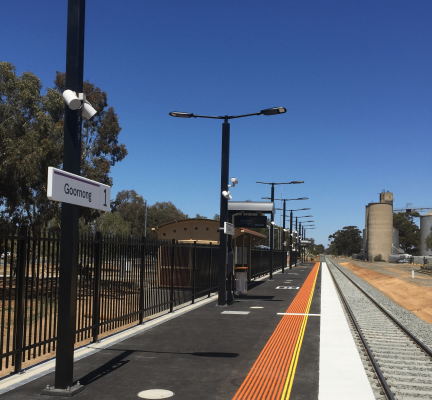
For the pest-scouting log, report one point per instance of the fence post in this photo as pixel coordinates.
(20, 293)
(97, 287)
(141, 296)
(172, 275)
(193, 273)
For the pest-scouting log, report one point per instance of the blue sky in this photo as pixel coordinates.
(355, 77)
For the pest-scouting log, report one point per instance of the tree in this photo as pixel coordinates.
(428, 240)
(31, 140)
(409, 232)
(131, 207)
(319, 249)
(346, 241)
(162, 212)
(111, 223)
(132, 210)
(314, 249)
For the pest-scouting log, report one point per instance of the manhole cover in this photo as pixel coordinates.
(155, 394)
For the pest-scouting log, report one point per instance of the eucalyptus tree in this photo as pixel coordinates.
(31, 140)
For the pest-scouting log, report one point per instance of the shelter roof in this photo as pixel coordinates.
(252, 206)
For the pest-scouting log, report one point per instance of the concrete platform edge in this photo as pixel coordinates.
(341, 372)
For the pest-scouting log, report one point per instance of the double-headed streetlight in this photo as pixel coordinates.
(304, 235)
(272, 218)
(138, 196)
(301, 230)
(222, 276)
(291, 232)
(284, 230)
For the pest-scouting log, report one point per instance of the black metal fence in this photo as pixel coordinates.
(121, 281)
(260, 261)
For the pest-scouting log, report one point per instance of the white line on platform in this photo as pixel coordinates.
(236, 312)
(309, 315)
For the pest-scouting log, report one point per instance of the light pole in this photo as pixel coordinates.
(302, 236)
(272, 219)
(309, 227)
(283, 232)
(145, 217)
(222, 276)
(291, 232)
(67, 300)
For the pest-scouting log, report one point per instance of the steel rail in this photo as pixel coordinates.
(425, 348)
(384, 384)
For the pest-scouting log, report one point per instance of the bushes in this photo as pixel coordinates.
(378, 257)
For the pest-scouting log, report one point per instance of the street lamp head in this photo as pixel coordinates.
(181, 114)
(273, 111)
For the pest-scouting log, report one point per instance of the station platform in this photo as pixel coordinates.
(285, 339)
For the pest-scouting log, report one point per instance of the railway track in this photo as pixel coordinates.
(397, 363)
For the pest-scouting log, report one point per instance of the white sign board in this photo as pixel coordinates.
(74, 189)
(228, 228)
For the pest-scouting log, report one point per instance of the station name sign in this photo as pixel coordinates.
(250, 221)
(74, 189)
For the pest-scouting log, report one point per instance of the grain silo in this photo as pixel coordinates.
(425, 230)
(379, 227)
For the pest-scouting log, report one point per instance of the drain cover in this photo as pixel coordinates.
(155, 394)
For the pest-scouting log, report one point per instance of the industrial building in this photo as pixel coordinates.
(378, 235)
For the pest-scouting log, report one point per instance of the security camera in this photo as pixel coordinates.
(75, 102)
(234, 182)
(226, 194)
(88, 111)
(71, 99)
(273, 223)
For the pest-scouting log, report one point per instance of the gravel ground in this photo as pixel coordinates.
(418, 327)
(401, 271)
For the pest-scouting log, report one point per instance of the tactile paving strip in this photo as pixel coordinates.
(272, 374)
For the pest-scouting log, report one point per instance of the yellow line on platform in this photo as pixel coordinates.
(292, 369)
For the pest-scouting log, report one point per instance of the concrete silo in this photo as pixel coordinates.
(425, 230)
(378, 234)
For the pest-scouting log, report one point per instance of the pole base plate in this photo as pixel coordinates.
(69, 392)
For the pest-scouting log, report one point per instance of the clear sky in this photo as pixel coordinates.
(354, 75)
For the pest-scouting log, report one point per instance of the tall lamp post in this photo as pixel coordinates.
(283, 231)
(291, 232)
(301, 229)
(309, 227)
(66, 327)
(272, 219)
(222, 276)
(138, 196)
